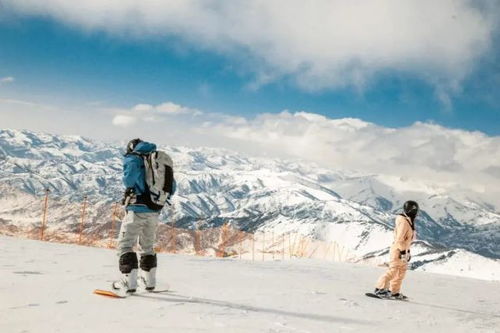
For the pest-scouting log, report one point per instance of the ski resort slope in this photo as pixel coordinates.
(47, 287)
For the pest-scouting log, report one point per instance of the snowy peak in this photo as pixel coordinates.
(26, 144)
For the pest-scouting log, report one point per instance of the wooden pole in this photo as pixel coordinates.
(303, 245)
(196, 242)
(222, 245)
(241, 241)
(315, 249)
(294, 245)
(199, 234)
(263, 244)
(289, 246)
(84, 206)
(253, 246)
(113, 222)
(174, 235)
(283, 247)
(199, 239)
(44, 218)
(272, 242)
(300, 245)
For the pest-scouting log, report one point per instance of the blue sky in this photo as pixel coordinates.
(57, 63)
(409, 90)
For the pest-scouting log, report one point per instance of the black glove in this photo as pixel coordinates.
(129, 191)
(405, 255)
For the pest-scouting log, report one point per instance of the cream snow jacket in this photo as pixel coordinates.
(403, 236)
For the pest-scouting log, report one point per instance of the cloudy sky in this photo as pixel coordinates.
(408, 88)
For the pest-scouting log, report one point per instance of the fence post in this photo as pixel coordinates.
(174, 237)
(44, 218)
(272, 242)
(198, 239)
(289, 246)
(315, 249)
(196, 242)
(283, 247)
(253, 246)
(221, 247)
(241, 242)
(335, 250)
(263, 244)
(113, 221)
(83, 219)
(294, 245)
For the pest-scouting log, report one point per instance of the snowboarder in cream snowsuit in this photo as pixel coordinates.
(140, 222)
(389, 284)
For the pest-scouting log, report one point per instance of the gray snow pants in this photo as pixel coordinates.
(140, 226)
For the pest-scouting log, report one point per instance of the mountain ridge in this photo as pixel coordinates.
(218, 186)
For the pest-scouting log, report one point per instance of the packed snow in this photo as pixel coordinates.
(47, 287)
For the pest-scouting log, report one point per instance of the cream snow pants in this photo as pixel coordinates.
(393, 277)
(138, 226)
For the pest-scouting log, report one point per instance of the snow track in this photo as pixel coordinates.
(47, 287)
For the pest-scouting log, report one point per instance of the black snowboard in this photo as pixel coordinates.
(387, 298)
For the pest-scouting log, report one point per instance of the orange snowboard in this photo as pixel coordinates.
(107, 293)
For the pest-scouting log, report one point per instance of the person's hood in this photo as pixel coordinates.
(144, 148)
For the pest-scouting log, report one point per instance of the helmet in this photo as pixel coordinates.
(132, 144)
(411, 209)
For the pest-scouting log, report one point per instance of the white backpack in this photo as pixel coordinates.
(159, 177)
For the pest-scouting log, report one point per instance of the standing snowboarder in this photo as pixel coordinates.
(143, 201)
(389, 284)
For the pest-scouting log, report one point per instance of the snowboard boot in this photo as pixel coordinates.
(128, 268)
(148, 271)
(382, 292)
(398, 296)
(127, 283)
(148, 279)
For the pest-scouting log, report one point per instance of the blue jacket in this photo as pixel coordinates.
(134, 174)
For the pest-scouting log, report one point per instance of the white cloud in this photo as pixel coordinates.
(16, 104)
(121, 120)
(151, 113)
(455, 159)
(451, 158)
(143, 107)
(7, 79)
(322, 44)
(172, 108)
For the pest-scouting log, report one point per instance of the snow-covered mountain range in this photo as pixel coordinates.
(217, 186)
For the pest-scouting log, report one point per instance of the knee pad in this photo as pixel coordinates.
(148, 262)
(128, 262)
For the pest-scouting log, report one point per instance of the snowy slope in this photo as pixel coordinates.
(46, 287)
(217, 186)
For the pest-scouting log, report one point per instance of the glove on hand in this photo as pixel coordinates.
(129, 191)
(405, 255)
